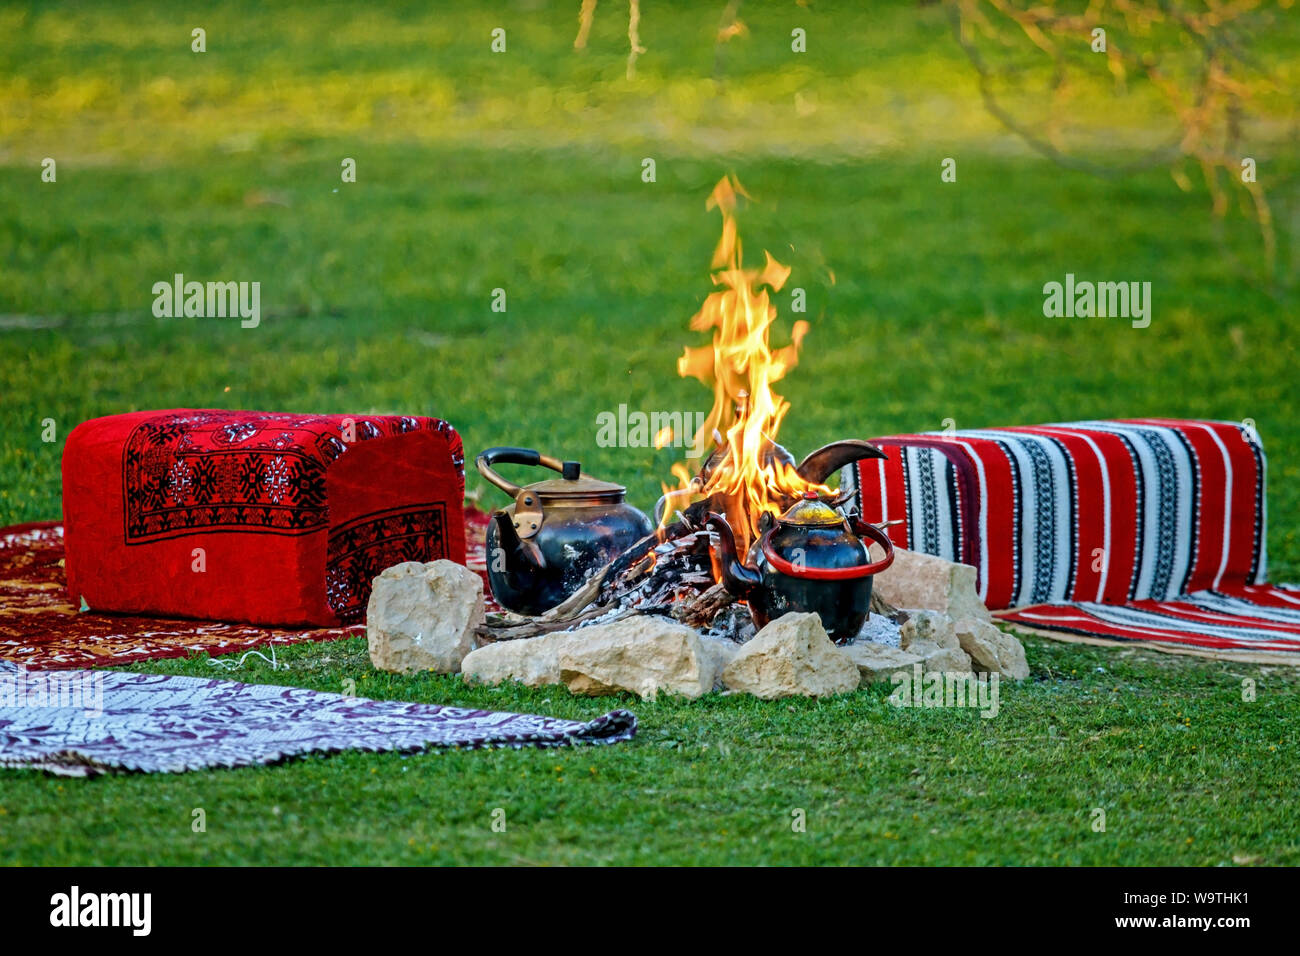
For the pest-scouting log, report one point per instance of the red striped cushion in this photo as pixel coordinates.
(1089, 517)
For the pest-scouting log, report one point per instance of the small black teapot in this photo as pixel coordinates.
(812, 558)
(556, 534)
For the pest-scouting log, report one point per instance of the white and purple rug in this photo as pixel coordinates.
(81, 722)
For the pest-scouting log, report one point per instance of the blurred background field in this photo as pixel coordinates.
(522, 170)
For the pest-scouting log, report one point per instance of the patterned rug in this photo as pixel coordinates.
(42, 629)
(1150, 530)
(79, 723)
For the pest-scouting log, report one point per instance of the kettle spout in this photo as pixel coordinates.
(517, 549)
(739, 579)
(828, 459)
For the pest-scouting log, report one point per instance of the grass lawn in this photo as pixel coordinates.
(522, 171)
(1185, 772)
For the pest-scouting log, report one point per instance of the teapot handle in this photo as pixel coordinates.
(861, 529)
(521, 456)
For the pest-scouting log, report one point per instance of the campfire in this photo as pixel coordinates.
(748, 475)
(744, 484)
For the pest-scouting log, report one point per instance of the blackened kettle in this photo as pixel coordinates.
(812, 558)
(556, 533)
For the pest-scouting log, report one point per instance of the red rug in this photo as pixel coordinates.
(42, 629)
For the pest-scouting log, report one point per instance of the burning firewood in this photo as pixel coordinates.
(514, 627)
(664, 573)
(700, 612)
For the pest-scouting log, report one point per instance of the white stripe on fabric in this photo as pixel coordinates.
(945, 495)
(1086, 624)
(1150, 516)
(1189, 480)
(1105, 502)
(916, 534)
(1260, 497)
(884, 494)
(1227, 604)
(1045, 584)
(928, 509)
(1279, 588)
(1141, 437)
(952, 438)
(1261, 576)
(1227, 501)
(1025, 579)
(1128, 616)
(1159, 632)
(983, 528)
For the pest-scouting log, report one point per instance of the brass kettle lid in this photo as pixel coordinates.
(575, 484)
(583, 487)
(811, 511)
(572, 484)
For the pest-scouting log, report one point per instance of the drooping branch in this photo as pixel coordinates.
(633, 36)
(585, 16)
(1207, 101)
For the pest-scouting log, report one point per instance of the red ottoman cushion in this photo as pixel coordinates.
(258, 517)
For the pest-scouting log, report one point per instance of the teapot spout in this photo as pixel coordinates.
(828, 459)
(739, 579)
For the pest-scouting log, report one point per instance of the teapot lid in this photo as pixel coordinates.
(811, 511)
(576, 484)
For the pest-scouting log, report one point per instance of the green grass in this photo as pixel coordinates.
(1185, 771)
(522, 171)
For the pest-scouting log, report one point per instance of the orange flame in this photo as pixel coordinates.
(741, 367)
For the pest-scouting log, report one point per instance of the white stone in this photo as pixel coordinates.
(531, 661)
(992, 650)
(947, 660)
(643, 654)
(422, 616)
(876, 662)
(931, 627)
(791, 656)
(936, 658)
(918, 580)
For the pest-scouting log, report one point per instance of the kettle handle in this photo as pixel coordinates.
(861, 528)
(521, 456)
